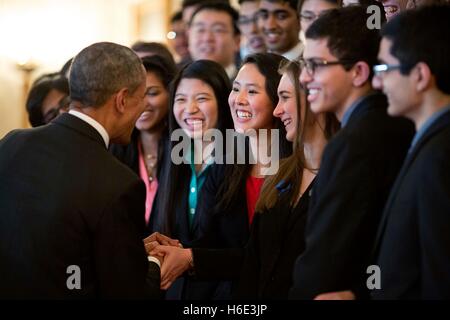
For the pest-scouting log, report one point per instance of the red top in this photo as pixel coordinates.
(253, 188)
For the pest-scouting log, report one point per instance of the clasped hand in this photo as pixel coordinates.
(175, 260)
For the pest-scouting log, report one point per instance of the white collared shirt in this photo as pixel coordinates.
(231, 71)
(97, 126)
(295, 52)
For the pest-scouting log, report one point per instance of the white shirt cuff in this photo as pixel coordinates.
(155, 260)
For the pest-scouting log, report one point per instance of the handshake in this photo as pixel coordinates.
(174, 259)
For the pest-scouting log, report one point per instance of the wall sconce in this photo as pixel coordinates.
(26, 67)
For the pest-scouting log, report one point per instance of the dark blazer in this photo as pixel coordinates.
(276, 240)
(413, 243)
(358, 168)
(212, 227)
(66, 201)
(263, 269)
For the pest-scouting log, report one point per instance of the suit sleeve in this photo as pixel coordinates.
(121, 261)
(340, 228)
(434, 227)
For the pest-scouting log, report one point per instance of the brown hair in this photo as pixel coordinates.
(290, 169)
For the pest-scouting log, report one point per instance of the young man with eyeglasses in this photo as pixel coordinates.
(248, 24)
(358, 165)
(214, 35)
(413, 243)
(280, 26)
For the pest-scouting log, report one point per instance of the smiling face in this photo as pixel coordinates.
(279, 24)
(156, 104)
(195, 107)
(330, 87)
(251, 107)
(393, 7)
(211, 37)
(399, 89)
(249, 27)
(310, 11)
(286, 108)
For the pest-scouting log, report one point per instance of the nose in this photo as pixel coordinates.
(377, 82)
(241, 98)
(305, 77)
(270, 23)
(278, 111)
(191, 108)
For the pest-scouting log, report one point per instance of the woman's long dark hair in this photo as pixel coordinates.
(267, 64)
(176, 177)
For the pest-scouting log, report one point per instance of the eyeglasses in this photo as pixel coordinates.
(309, 16)
(216, 30)
(311, 65)
(245, 21)
(380, 69)
(63, 106)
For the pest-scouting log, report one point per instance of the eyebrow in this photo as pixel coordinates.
(247, 84)
(274, 11)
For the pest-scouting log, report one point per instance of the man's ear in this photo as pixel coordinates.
(422, 76)
(360, 73)
(121, 100)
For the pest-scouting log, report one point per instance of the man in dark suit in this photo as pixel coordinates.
(413, 243)
(358, 165)
(71, 215)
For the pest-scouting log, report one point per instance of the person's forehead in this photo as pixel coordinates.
(275, 5)
(316, 48)
(248, 8)
(211, 16)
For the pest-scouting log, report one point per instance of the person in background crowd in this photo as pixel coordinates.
(178, 39)
(252, 40)
(310, 10)
(48, 97)
(279, 23)
(145, 49)
(214, 35)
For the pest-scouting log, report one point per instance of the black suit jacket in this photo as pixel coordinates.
(413, 243)
(212, 227)
(66, 201)
(358, 168)
(276, 240)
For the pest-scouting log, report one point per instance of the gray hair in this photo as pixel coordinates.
(102, 69)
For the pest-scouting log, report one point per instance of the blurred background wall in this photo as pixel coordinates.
(38, 36)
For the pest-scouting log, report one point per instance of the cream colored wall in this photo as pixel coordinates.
(49, 32)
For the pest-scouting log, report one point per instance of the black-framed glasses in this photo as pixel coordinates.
(310, 65)
(63, 106)
(244, 21)
(380, 69)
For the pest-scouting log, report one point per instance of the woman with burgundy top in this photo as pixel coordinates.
(264, 267)
(145, 152)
